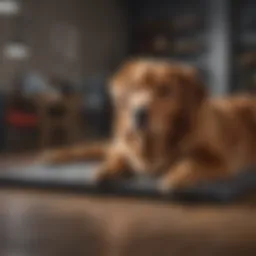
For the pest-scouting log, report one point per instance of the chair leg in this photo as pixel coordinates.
(45, 137)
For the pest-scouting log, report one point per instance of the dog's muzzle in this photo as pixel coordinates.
(141, 117)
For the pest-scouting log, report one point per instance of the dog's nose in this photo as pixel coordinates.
(141, 118)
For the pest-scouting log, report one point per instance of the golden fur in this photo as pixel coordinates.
(190, 138)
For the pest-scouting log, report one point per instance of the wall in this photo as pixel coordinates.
(102, 45)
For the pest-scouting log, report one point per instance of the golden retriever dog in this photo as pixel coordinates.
(166, 125)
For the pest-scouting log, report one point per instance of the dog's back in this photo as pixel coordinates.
(229, 125)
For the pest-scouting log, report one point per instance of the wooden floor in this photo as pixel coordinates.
(34, 223)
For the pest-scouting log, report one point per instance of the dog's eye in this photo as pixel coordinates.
(120, 103)
(164, 91)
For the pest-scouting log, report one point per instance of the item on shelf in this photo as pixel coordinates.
(248, 39)
(253, 84)
(248, 59)
(187, 22)
(187, 46)
(153, 38)
(160, 43)
(249, 81)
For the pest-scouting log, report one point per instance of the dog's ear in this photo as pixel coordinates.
(193, 93)
(195, 89)
(118, 83)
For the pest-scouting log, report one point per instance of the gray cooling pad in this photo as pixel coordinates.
(80, 177)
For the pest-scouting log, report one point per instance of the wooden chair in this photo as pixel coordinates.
(48, 116)
(21, 121)
(62, 116)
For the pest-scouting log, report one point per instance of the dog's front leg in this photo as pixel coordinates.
(193, 170)
(114, 167)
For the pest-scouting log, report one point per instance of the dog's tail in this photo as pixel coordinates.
(85, 152)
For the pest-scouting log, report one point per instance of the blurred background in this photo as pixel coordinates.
(56, 57)
(55, 60)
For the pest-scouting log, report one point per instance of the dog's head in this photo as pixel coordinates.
(155, 95)
(157, 100)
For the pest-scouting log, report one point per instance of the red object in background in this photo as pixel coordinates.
(22, 119)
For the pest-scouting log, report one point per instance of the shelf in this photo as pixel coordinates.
(247, 39)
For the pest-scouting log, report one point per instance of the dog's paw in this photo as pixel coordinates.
(165, 187)
(103, 176)
(106, 176)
